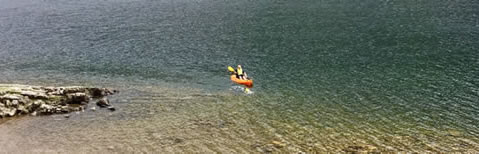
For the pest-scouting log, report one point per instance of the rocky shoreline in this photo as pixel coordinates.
(37, 100)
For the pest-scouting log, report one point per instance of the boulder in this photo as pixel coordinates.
(44, 108)
(8, 103)
(103, 102)
(65, 109)
(10, 112)
(77, 98)
(21, 109)
(101, 92)
(14, 103)
(37, 103)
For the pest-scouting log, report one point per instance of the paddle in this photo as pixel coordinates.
(231, 69)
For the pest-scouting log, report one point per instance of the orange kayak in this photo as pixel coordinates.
(247, 83)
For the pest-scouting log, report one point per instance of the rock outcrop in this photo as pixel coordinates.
(35, 100)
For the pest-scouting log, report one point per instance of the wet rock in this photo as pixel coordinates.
(49, 89)
(34, 95)
(93, 109)
(73, 90)
(2, 111)
(8, 103)
(23, 99)
(34, 106)
(103, 102)
(65, 109)
(10, 112)
(100, 92)
(111, 108)
(33, 114)
(54, 90)
(11, 97)
(77, 98)
(44, 108)
(67, 116)
(22, 109)
(14, 103)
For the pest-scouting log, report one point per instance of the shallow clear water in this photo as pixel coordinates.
(398, 75)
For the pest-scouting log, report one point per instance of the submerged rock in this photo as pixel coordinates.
(454, 133)
(278, 144)
(361, 149)
(268, 148)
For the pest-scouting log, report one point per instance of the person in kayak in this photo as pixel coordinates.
(240, 74)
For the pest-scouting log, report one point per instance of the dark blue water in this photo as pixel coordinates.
(397, 75)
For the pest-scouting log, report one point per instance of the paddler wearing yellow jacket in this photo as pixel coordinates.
(240, 74)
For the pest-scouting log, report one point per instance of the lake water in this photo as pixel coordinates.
(328, 74)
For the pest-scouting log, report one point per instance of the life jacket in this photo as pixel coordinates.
(239, 71)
